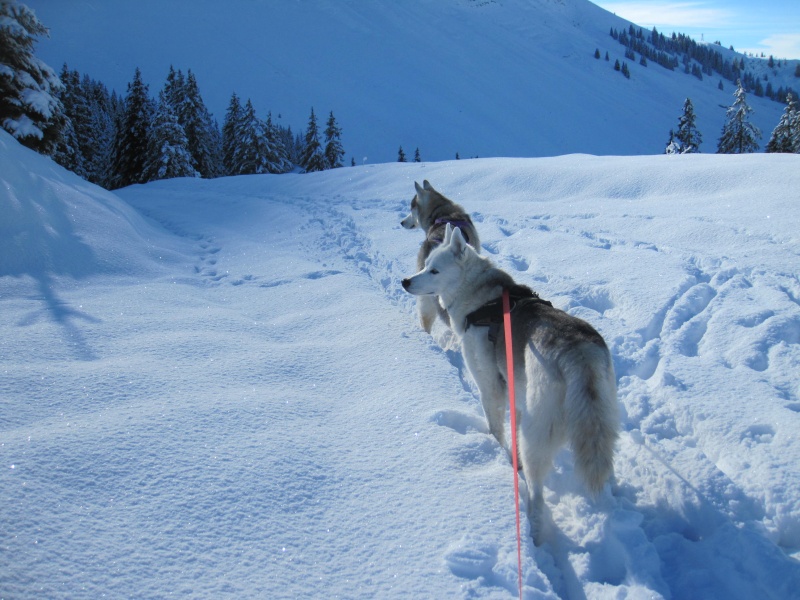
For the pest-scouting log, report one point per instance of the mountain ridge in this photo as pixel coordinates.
(471, 78)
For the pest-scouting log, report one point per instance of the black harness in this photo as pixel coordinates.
(491, 314)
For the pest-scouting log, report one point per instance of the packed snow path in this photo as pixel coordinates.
(223, 390)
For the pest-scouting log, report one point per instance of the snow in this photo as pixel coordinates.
(218, 388)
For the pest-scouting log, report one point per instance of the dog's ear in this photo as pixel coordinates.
(448, 234)
(427, 185)
(423, 193)
(458, 245)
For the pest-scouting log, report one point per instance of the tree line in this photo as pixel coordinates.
(697, 59)
(117, 141)
(739, 135)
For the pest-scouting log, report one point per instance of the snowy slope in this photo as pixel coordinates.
(219, 389)
(478, 78)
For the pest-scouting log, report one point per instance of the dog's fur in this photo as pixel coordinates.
(431, 212)
(563, 371)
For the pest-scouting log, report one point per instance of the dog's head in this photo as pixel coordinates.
(444, 267)
(420, 206)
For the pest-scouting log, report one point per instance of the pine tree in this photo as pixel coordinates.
(84, 147)
(230, 129)
(103, 112)
(30, 107)
(312, 158)
(688, 137)
(417, 156)
(174, 88)
(401, 156)
(786, 135)
(291, 145)
(334, 153)
(168, 153)
(739, 136)
(672, 146)
(276, 152)
(199, 127)
(67, 151)
(72, 142)
(131, 142)
(250, 153)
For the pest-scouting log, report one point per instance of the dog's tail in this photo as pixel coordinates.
(592, 414)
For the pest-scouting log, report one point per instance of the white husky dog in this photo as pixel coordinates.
(431, 212)
(563, 371)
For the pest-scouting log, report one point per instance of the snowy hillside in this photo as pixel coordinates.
(218, 389)
(510, 78)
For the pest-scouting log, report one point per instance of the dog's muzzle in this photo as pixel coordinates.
(406, 283)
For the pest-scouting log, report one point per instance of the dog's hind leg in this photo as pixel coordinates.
(540, 433)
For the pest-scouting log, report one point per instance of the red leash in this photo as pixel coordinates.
(513, 409)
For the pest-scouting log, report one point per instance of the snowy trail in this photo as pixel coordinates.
(621, 529)
(224, 392)
(706, 503)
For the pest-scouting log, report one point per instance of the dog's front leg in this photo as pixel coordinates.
(479, 357)
(428, 307)
(493, 398)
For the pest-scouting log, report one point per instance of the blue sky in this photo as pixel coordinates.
(768, 26)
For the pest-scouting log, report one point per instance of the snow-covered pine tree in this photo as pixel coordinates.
(104, 108)
(334, 153)
(786, 135)
(673, 147)
(688, 137)
(69, 149)
(250, 153)
(739, 136)
(85, 144)
(168, 153)
(194, 117)
(230, 128)
(174, 88)
(312, 158)
(292, 143)
(277, 154)
(131, 145)
(30, 107)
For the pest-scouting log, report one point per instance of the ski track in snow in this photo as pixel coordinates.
(657, 439)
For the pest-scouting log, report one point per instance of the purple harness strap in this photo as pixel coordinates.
(463, 225)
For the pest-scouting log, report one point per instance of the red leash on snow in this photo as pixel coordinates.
(513, 411)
